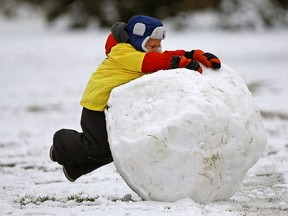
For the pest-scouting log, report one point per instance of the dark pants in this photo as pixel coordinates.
(81, 153)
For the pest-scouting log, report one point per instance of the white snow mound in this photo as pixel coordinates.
(179, 134)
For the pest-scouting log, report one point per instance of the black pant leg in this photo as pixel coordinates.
(68, 147)
(84, 152)
(95, 138)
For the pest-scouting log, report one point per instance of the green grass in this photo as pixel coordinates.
(38, 200)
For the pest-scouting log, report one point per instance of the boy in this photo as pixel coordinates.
(132, 50)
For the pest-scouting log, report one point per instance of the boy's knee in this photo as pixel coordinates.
(62, 144)
(58, 137)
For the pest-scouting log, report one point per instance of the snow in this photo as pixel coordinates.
(177, 134)
(43, 73)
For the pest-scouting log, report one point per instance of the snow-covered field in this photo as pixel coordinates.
(42, 76)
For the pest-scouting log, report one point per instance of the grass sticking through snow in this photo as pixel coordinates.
(79, 198)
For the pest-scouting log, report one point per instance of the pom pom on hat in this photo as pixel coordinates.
(141, 28)
(119, 33)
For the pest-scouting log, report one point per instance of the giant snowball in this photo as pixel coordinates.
(179, 134)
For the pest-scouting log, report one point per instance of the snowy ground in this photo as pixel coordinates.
(42, 76)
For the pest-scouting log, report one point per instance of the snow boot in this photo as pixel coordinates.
(69, 175)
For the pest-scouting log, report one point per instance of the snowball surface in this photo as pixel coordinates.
(177, 133)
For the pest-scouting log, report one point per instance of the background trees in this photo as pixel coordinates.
(81, 13)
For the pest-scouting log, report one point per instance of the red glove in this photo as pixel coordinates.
(207, 59)
(183, 62)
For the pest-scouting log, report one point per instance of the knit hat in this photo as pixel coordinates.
(141, 28)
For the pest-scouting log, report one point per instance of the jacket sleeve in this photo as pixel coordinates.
(110, 42)
(154, 61)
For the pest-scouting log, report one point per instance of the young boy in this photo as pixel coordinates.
(132, 50)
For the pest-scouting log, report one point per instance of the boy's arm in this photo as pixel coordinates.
(154, 61)
(162, 61)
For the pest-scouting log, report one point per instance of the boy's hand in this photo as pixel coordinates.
(183, 62)
(207, 59)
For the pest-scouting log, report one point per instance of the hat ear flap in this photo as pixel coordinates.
(159, 33)
(144, 43)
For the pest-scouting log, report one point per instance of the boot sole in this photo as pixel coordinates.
(67, 175)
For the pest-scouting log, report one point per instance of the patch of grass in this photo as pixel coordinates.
(79, 198)
(43, 108)
(270, 115)
(255, 86)
(23, 201)
(11, 165)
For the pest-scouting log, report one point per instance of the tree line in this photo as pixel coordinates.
(105, 12)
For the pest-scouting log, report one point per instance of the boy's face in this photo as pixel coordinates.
(153, 45)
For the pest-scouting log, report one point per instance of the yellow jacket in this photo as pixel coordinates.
(122, 65)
